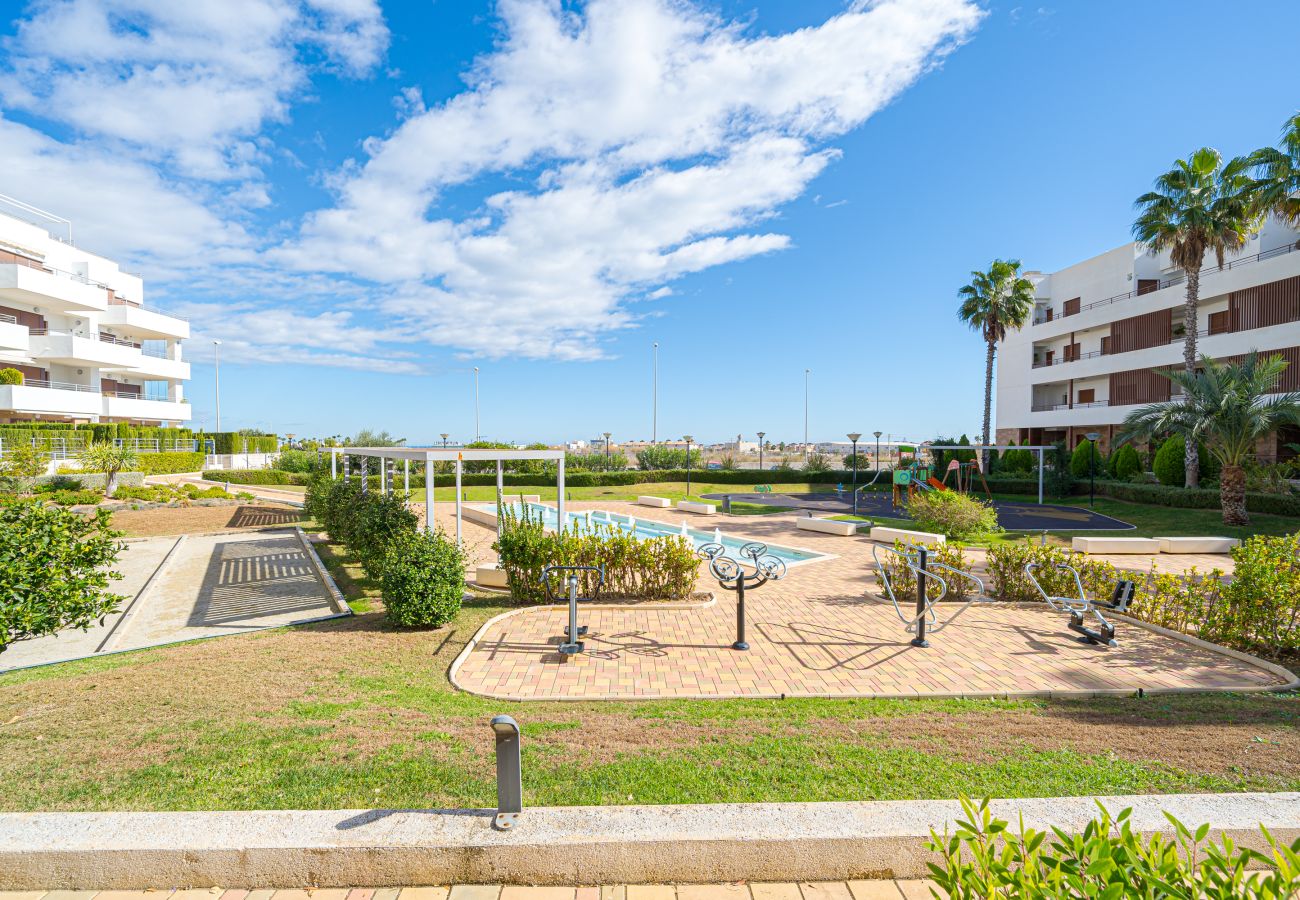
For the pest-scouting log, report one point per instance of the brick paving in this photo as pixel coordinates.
(817, 890)
(822, 631)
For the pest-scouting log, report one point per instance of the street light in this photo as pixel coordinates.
(853, 436)
(477, 433)
(877, 434)
(760, 450)
(444, 437)
(606, 445)
(806, 373)
(654, 415)
(1092, 436)
(216, 379)
(688, 440)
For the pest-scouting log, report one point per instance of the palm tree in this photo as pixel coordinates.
(109, 459)
(1279, 186)
(1200, 205)
(1229, 408)
(994, 303)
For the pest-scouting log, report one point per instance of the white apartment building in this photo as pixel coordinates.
(76, 326)
(1104, 328)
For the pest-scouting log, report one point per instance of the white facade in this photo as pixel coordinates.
(1102, 329)
(77, 328)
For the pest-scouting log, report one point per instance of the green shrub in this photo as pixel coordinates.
(1007, 579)
(952, 513)
(1261, 609)
(1124, 463)
(903, 580)
(55, 567)
(660, 457)
(74, 498)
(257, 476)
(367, 523)
(1107, 859)
(10, 375)
(1058, 480)
(300, 461)
(168, 463)
(58, 483)
(22, 461)
(109, 459)
(423, 579)
(661, 568)
(1080, 458)
(1169, 465)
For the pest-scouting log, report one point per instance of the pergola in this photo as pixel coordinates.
(431, 455)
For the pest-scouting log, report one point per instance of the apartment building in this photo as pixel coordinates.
(77, 328)
(1104, 329)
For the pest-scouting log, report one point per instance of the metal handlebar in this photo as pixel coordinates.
(546, 577)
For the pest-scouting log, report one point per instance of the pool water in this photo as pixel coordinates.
(643, 528)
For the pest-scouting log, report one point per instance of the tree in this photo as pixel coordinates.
(993, 303)
(1229, 407)
(817, 463)
(1199, 206)
(22, 461)
(109, 459)
(54, 569)
(1124, 463)
(1279, 184)
(10, 375)
(1080, 466)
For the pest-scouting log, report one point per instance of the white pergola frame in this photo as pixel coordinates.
(431, 455)
(998, 447)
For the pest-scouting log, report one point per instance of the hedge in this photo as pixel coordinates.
(750, 477)
(166, 463)
(260, 476)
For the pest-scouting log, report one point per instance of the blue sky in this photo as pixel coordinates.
(364, 200)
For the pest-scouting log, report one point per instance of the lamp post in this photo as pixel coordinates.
(477, 433)
(654, 402)
(853, 436)
(877, 434)
(607, 445)
(760, 450)
(688, 440)
(806, 373)
(216, 379)
(444, 437)
(1092, 437)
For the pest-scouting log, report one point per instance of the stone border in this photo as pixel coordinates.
(337, 600)
(110, 642)
(783, 842)
(1289, 681)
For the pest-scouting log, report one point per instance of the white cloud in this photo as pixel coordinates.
(644, 139)
(188, 83)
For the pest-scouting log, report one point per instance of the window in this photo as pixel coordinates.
(1147, 285)
(1087, 395)
(1071, 307)
(1105, 344)
(1221, 322)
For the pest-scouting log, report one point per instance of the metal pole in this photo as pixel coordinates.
(383, 475)
(428, 492)
(510, 785)
(559, 495)
(740, 643)
(921, 599)
(855, 478)
(688, 468)
(500, 495)
(1040, 476)
(216, 379)
(573, 612)
(761, 435)
(654, 421)
(459, 464)
(806, 373)
(476, 427)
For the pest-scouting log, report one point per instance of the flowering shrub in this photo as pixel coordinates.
(661, 568)
(953, 514)
(903, 579)
(1008, 581)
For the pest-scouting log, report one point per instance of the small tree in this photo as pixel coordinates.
(1059, 479)
(10, 375)
(54, 569)
(1079, 467)
(423, 579)
(22, 461)
(1124, 463)
(817, 463)
(109, 459)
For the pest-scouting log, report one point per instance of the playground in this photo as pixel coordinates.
(826, 630)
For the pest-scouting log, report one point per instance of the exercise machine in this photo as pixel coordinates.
(573, 631)
(923, 619)
(731, 576)
(1081, 607)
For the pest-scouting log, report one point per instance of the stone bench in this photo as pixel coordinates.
(1197, 544)
(491, 576)
(826, 526)
(889, 535)
(707, 509)
(659, 502)
(1095, 545)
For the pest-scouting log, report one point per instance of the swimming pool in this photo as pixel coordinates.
(648, 528)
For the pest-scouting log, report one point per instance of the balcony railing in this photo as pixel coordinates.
(122, 301)
(156, 354)
(1091, 354)
(119, 342)
(59, 386)
(1177, 279)
(114, 299)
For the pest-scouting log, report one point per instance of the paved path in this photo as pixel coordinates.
(823, 631)
(202, 586)
(816, 890)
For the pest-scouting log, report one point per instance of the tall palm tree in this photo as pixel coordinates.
(994, 303)
(1279, 185)
(1199, 206)
(1228, 407)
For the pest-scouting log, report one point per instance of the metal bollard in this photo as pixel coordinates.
(510, 784)
(921, 599)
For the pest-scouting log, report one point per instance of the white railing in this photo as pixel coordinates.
(59, 386)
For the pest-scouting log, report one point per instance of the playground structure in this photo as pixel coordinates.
(924, 619)
(1080, 607)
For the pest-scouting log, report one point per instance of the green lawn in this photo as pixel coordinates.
(353, 714)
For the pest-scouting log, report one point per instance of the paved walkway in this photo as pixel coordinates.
(816, 890)
(822, 631)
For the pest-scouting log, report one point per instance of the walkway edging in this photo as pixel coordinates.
(556, 845)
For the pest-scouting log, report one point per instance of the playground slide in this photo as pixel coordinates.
(936, 484)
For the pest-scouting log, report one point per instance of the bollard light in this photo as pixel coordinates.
(510, 785)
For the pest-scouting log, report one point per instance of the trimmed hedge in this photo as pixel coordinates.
(165, 463)
(260, 476)
(750, 477)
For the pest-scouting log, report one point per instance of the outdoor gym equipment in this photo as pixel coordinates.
(574, 631)
(924, 619)
(1081, 606)
(731, 576)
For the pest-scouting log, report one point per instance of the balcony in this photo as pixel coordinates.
(12, 335)
(51, 398)
(72, 349)
(153, 365)
(133, 406)
(30, 283)
(145, 320)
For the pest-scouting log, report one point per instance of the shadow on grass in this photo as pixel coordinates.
(1182, 710)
